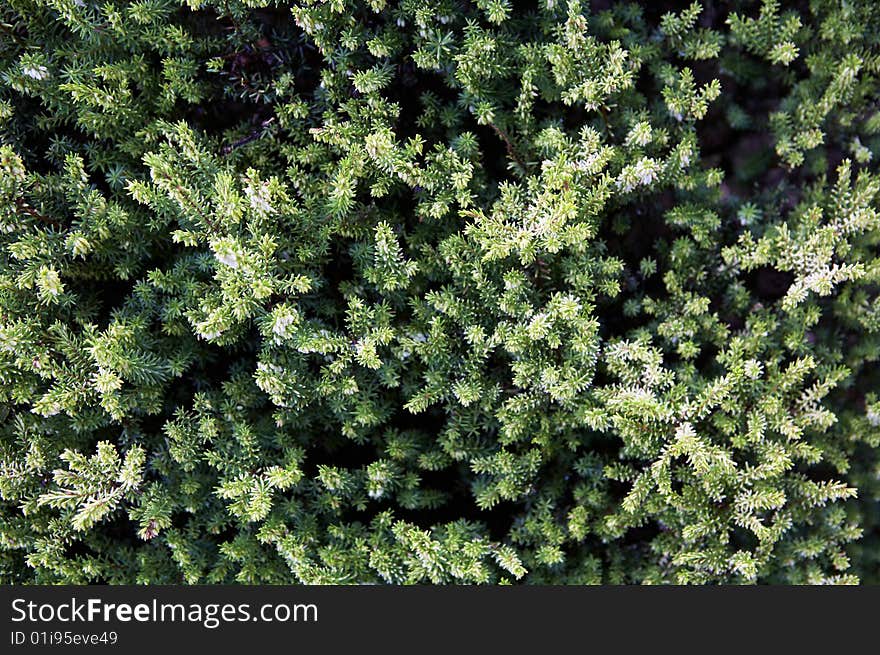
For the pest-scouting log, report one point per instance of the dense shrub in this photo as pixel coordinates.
(439, 291)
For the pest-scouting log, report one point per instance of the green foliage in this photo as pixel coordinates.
(439, 292)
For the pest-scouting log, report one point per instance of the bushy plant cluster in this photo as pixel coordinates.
(439, 291)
